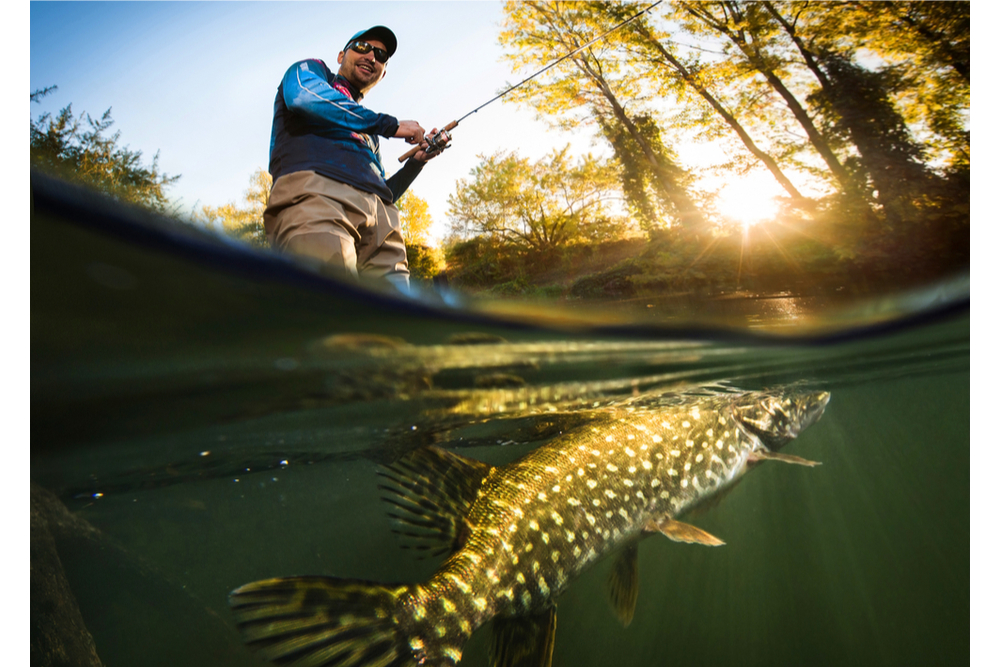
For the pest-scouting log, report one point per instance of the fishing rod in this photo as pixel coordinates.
(438, 141)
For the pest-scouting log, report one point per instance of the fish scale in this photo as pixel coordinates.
(520, 533)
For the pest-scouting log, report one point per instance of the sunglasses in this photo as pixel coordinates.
(381, 55)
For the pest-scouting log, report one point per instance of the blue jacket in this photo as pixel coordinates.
(319, 126)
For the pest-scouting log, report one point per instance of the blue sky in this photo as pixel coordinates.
(196, 81)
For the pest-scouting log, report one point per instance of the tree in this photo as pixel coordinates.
(670, 69)
(748, 28)
(538, 206)
(867, 102)
(425, 259)
(77, 149)
(542, 32)
(648, 199)
(889, 161)
(243, 220)
(922, 50)
(415, 218)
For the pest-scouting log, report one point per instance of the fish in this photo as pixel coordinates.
(516, 535)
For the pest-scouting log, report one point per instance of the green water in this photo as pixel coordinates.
(205, 424)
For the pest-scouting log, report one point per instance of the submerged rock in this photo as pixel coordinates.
(58, 634)
(91, 596)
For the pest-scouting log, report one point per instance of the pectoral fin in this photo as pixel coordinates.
(763, 455)
(679, 531)
(523, 641)
(623, 585)
(429, 492)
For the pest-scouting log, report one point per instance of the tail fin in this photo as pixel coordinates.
(322, 621)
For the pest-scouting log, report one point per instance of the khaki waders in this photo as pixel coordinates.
(350, 231)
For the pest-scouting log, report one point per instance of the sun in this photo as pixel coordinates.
(748, 201)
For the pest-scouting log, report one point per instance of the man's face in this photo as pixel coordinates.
(362, 70)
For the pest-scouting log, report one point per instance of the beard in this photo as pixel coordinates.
(362, 76)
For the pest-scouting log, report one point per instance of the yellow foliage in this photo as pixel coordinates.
(415, 217)
(243, 220)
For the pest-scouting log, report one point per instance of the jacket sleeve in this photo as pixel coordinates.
(400, 181)
(306, 91)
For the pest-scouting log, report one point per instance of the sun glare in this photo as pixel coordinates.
(748, 201)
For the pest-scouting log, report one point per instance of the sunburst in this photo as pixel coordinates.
(748, 201)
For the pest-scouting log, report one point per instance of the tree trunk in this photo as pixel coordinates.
(674, 191)
(756, 59)
(686, 209)
(807, 55)
(889, 158)
(730, 120)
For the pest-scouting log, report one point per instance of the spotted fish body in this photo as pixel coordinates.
(520, 533)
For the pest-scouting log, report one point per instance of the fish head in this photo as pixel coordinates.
(776, 418)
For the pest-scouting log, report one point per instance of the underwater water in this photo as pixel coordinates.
(197, 426)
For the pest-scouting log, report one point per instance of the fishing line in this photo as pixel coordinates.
(434, 142)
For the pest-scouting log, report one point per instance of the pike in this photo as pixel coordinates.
(518, 534)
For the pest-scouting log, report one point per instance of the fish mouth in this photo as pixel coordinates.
(811, 415)
(816, 411)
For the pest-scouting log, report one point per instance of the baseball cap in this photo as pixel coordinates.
(381, 33)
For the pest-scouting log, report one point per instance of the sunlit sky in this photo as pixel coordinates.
(196, 82)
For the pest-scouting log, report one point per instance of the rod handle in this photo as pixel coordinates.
(408, 154)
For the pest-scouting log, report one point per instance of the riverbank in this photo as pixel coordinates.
(756, 264)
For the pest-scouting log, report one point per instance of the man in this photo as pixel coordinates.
(330, 199)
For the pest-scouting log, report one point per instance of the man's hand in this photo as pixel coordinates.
(411, 131)
(422, 156)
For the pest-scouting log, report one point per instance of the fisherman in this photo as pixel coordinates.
(330, 199)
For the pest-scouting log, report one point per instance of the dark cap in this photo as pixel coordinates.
(379, 32)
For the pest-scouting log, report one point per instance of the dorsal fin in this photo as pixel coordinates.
(430, 491)
(523, 641)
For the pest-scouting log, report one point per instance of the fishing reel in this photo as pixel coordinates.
(437, 142)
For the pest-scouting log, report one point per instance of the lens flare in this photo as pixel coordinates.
(748, 201)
